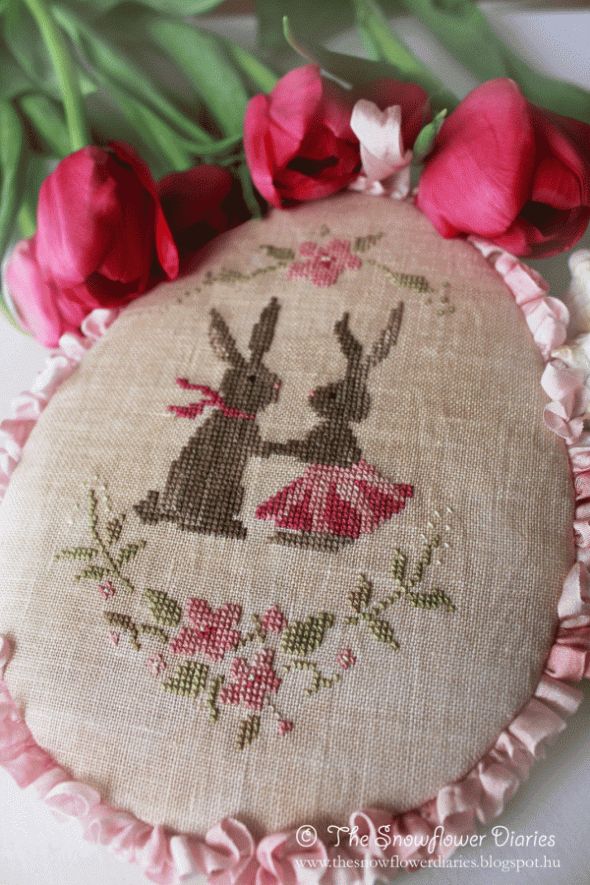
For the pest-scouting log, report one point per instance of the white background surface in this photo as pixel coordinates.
(35, 849)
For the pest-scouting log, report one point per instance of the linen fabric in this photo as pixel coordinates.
(434, 432)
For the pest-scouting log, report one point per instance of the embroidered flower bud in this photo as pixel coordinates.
(273, 620)
(114, 637)
(284, 727)
(345, 658)
(107, 589)
(156, 664)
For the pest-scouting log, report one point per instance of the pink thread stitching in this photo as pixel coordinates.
(210, 398)
(325, 262)
(213, 632)
(251, 682)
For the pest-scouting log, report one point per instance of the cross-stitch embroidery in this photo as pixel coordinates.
(323, 265)
(204, 491)
(206, 653)
(340, 496)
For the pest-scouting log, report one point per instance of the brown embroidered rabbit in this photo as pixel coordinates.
(340, 496)
(204, 491)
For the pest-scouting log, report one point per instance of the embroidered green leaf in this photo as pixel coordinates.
(432, 599)
(84, 553)
(164, 608)
(93, 573)
(398, 566)
(427, 136)
(363, 244)
(129, 552)
(124, 622)
(189, 679)
(156, 632)
(248, 731)
(382, 631)
(212, 698)
(361, 596)
(281, 254)
(114, 527)
(304, 637)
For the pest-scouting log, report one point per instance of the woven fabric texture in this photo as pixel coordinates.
(290, 541)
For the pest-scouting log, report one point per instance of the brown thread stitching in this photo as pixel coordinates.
(339, 496)
(204, 491)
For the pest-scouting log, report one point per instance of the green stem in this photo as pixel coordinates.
(65, 71)
(388, 47)
(105, 550)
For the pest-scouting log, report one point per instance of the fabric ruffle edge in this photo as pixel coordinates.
(228, 854)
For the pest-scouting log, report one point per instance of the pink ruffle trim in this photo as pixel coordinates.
(228, 854)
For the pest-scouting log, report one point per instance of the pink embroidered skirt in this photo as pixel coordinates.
(345, 502)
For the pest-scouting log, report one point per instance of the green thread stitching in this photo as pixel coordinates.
(80, 553)
(405, 588)
(189, 679)
(164, 609)
(305, 637)
(112, 560)
(318, 681)
(363, 244)
(248, 731)
(156, 632)
(126, 624)
(258, 633)
(417, 282)
(298, 639)
(212, 698)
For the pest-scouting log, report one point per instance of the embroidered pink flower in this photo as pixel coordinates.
(251, 682)
(345, 658)
(273, 620)
(325, 262)
(284, 727)
(107, 589)
(156, 664)
(213, 632)
(114, 637)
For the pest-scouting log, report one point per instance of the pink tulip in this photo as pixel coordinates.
(510, 172)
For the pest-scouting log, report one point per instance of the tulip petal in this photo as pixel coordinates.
(411, 98)
(165, 246)
(478, 177)
(74, 216)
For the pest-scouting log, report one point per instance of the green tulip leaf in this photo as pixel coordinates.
(380, 40)
(28, 49)
(116, 66)
(427, 136)
(348, 68)
(13, 81)
(48, 123)
(12, 171)
(205, 63)
(464, 30)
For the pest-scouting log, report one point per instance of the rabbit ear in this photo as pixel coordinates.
(264, 330)
(387, 338)
(222, 341)
(349, 345)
